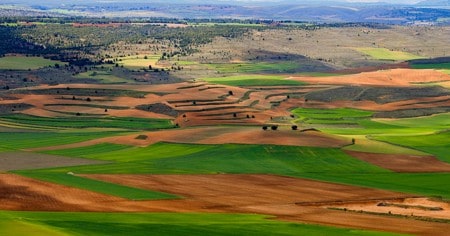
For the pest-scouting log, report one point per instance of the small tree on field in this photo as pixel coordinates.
(274, 127)
(294, 127)
(264, 127)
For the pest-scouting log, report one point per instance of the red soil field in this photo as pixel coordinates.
(292, 199)
(394, 77)
(403, 163)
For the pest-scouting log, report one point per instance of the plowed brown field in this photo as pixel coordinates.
(403, 163)
(286, 198)
(395, 77)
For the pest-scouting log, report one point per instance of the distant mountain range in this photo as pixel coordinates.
(394, 12)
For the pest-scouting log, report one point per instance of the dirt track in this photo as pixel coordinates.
(287, 198)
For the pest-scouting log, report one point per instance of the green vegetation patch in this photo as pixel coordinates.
(138, 62)
(437, 144)
(23, 140)
(253, 80)
(88, 122)
(80, 223)
(98, 186)
(279, 67)
(388, 55)
(437, 66)
(166, 158)
(25, 63)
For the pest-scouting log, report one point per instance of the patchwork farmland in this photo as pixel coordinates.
(223, 142)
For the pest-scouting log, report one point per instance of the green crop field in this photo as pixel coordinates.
(364, 144)
(139, 61)
(25, 63)
(280, 67)
(99, 186)
(88, 122)
(134, 224)
(253, 80)
(438, 66)
(24, 140)
(210, 159)
(327, 164)
(388, 55)
(346, 121)
(437, 144)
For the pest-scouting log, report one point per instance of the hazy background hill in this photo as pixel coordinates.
(330, 11)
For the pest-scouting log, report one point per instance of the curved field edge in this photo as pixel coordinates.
(325, 164)
(130, 123)
(437, 144)
(58, 223)
(126, 192)
(33, 139)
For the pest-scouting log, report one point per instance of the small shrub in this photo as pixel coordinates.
(294, 127)
(141, 137)
(264, 127)
(274, 127)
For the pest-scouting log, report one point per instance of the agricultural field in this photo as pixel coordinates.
(25, 63)
(388, 55)
(253, 80)
(223, 128)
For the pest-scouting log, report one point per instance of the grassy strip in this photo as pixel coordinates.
(436, 144)
(89, 122)
(61, 223)
(386, 54)
(254, 67)
(440, 66)
(98, 186)
(18, 140)
(253, 80)
(227, 158)
(25, 63)
(326, 164)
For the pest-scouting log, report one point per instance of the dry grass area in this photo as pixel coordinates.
(334, 46)
(26, 160)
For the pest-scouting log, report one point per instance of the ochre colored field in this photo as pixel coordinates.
(394, 77)
(297, 200)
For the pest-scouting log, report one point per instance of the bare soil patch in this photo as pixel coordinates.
(403, 163)
(279, 196)
(287, 198)
(394, 77)
(26, 160)
(408, 207)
